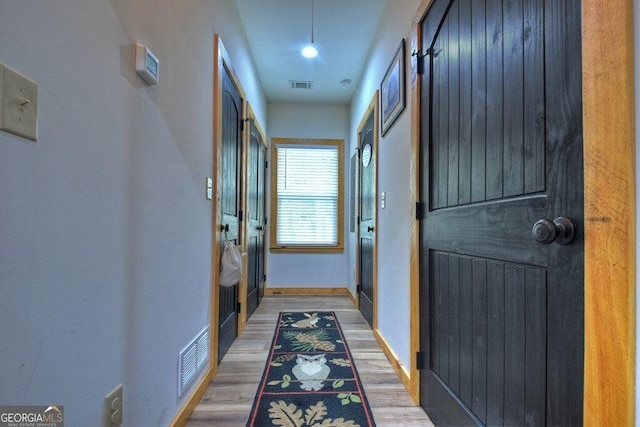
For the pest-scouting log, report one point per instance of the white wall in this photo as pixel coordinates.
(317, 121)
(105, 231)
(393, 178)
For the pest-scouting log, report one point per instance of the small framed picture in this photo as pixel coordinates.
(392, 93)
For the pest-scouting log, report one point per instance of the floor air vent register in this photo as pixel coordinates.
(192, 359)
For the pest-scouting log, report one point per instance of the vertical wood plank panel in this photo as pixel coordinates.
(464, 173)
(435, 326)
(495, 343)
(535, 346)
(443, 314)
(514, 95)
(514, 339)
(494, 101)
(454, 323)
(454, 104)
(479, 101)
(466, 331)
(534, 122)
(442, 138)
(480, 317)
(433, 150)
(563, 88)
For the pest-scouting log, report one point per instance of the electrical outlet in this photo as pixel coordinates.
(113, 408)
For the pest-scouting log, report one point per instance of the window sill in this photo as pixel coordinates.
(308, 249)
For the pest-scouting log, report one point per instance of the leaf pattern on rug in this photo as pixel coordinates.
(315, 413)
(347, 398)
(288, 415)
(310, 340)
(286, 381)
(341, 362)
(285, 415)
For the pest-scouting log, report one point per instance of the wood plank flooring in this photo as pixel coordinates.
(229, 398)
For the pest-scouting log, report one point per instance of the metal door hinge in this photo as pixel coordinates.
(358, 289)
(420, 360)
(420, 208)
(420, 60)
(239, 308)
(240, 215)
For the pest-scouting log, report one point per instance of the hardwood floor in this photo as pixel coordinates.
(229, 398)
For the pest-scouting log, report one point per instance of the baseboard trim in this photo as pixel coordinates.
(185, 412)
(306, 291)
(354, 300)
(409, 384)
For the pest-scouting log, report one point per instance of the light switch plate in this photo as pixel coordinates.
(209, 188)
(19, 97)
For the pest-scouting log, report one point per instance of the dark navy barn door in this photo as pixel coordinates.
(501, 148)
(366, 215)
(231, 203)
(255, 216)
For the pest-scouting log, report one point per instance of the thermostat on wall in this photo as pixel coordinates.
(147, 64)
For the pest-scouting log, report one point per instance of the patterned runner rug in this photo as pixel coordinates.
(310, 378)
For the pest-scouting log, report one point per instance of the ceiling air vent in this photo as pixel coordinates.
(300, 85)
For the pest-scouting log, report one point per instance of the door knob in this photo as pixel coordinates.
(561, 230)
(224, 227)
(259, 228)
(369, 229)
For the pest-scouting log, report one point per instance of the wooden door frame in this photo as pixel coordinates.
(249, 117)
(610, 217)
(372, 108)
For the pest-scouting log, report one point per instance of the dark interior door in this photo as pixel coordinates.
(366, 215)
(230, 197)
(255, 216)
(501, 148)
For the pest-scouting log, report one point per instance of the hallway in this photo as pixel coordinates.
(110, 219)
(229, 398)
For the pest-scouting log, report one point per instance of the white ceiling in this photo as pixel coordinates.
(343, 32)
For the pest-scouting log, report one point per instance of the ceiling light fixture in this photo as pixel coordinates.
(310, 51)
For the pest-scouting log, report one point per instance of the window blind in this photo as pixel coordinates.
(307, 195)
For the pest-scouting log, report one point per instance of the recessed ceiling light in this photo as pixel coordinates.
(309, 51)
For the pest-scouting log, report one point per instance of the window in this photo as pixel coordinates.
(307, 202)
